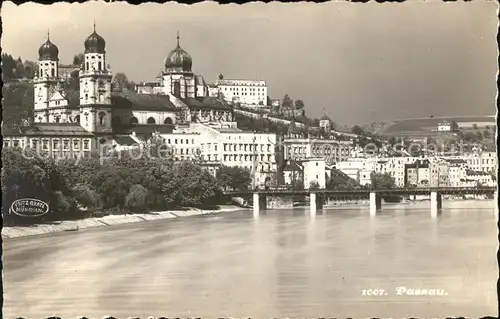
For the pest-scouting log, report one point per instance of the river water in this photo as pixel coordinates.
(284, 263)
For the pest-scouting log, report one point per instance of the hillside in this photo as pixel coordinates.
(17, 104)
(430, 124)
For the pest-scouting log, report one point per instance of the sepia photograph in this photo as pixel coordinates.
(263, 160)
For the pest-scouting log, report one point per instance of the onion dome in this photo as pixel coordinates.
(94, 43)
(48, 51)
(178, 60)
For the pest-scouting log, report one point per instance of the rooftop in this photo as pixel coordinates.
(124, 140)
(49, 129)
(476, 173)
(145, 102)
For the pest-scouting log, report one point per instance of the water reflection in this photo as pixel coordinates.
(281, 263)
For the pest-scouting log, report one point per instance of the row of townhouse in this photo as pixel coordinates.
(434, 171)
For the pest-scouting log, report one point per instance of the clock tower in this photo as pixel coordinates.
(95, 87)
(45, 79)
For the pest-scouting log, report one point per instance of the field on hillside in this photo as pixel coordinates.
(430, 124)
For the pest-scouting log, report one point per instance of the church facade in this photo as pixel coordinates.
(70, 122)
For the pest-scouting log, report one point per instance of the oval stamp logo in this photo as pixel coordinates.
(29, 207)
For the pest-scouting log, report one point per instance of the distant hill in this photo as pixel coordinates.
(427, 125)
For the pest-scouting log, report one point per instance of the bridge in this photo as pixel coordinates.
(317, 196)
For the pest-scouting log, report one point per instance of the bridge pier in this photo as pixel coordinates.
(316, 202)
(375, 203)
(436, 203)
(312, 204)
(256, 204)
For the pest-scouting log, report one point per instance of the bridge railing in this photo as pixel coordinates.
(404, 190)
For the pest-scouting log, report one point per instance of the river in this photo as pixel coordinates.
(284, 263)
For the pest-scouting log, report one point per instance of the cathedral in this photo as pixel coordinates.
(67, 122)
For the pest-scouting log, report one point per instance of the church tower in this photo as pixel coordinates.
(95, 87)
(45, 79)
(178, 79)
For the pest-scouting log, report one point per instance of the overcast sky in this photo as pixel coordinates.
(358, 62)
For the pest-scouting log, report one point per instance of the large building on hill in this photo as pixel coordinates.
(67, 122)
(246, 92)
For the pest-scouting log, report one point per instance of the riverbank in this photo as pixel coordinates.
(76, 225)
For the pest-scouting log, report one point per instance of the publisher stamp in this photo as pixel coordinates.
(405, 291)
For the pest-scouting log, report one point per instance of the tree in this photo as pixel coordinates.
(382, 181)
(356, 129)
(221, 76)
(78, 59)
(188, 184)
(314, 185)
(29, 69)
(17, 104)
(454, 126)
(299, 104)
(287, 102)
(137, 198)
(486, 134)
(269, 102)
(120, 82)
(474, 126)
(8, 67)
(233, 178)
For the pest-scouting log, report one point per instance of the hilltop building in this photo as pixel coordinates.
(245, 92)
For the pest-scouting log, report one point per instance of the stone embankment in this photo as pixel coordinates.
(74, 225)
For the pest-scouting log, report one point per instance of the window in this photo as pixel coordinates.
(86, 144)
(87, 66)
(134, 120)
(66, 144)
(99, 65)
(151, 121)
(45, 144)
(55, 143)
(101, 118)
(16, 143)
(34, 142)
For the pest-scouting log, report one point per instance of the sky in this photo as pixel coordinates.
(355, 62)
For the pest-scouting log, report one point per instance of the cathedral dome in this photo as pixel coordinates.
(48, 51)
(94, 43)
(178, 60)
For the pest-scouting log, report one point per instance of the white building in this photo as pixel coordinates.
(358, 169)
(479, 161)
(331, 150)
(477, 178)
(325, 123)
(444, 126)
(223, 143)
(246, 92)
(314, 172)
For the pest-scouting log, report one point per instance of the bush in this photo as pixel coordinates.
(137, 198)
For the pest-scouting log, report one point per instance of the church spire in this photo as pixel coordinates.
(48, 35)
(178, 45)
(94, 25)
